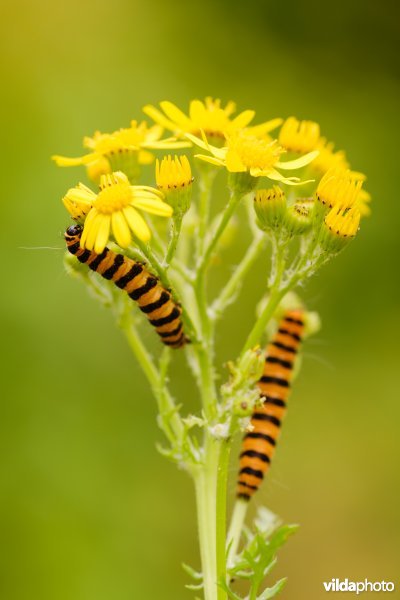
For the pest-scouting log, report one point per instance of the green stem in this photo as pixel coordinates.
(222, 482)
(173, 242)
(230, 290)
(225, 218)
(276, 294)
(206, 179)
(205, 479)
(166, 282)
(169, 418)
(235, 529)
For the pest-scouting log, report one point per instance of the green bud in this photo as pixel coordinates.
(127, 161)
(270, 207)
(298, 218)
(242, 183)
(174, 179)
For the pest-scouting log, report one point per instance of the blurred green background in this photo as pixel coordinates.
(89, 509)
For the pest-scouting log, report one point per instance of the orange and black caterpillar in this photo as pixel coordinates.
(258, 445)
(143, 287)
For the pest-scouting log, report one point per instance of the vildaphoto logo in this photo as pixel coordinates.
(358, 587)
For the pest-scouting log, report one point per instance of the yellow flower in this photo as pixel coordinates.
(328, 159)
(174, 179)
(113, 209)
(208, 116)
(172, 173)
(245, 153)
(343, 222)
(340, 188)
(299, 136)
(124, 149)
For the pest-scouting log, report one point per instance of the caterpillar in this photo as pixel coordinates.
(259, 442)
(140, 285)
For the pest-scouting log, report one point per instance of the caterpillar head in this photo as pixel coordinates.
(74, 230)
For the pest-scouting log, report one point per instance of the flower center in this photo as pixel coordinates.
(256, 153)
(114, 196)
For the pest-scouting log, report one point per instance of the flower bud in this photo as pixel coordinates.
(298, 218)
(78, 201)
(174, 179)
(339, 228)
(270, 207)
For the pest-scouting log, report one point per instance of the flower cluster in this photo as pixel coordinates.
(114, 161)
(304, 203)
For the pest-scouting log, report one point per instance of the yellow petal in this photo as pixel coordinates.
(87, 226)
(234, 163)
(103, 233)
(147, 188)
(167, 144)
(154, 133)
(197, 141)
(176, 115)
(120, 229)
(196, 110)
(263, 128)
(276, 176)
(64, 161)
(92, 232)
(243, 119)
(297, 163)
(155, 207)
(137, 224)
(210, 159)
(145, 158)
(158, 117)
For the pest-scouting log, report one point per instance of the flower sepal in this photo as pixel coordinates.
(270, 208)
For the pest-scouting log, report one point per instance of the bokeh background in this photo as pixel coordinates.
(89, 509)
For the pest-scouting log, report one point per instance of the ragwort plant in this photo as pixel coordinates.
(304, 206)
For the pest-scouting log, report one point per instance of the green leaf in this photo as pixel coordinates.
(196, 575)
(228, 590)
(273, 591)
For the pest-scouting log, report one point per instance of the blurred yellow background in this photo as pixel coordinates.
(89, 509)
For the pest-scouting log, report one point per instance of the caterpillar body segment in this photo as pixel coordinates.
(259, 442)
(133, 277)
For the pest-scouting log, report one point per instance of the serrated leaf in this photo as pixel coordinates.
(193, 586)
(228, 590)
(196, 575)
(272, 591)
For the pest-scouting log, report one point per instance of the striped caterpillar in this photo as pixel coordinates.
(140, 285)
(258, 445)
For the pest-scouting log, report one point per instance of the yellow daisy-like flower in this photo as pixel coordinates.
(258, 157)
(208, 116)
(340, 188)
(328, 158)
(299, 136)
(114, 210)
(124, 149)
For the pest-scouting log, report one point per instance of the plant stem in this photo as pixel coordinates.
(235, 529)
(170, 421)
(173, 242)
(276, 294)
(205, 479)
(228, 293)
(207, 176)
(225, 218)
(166, 282)
(222, 481)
